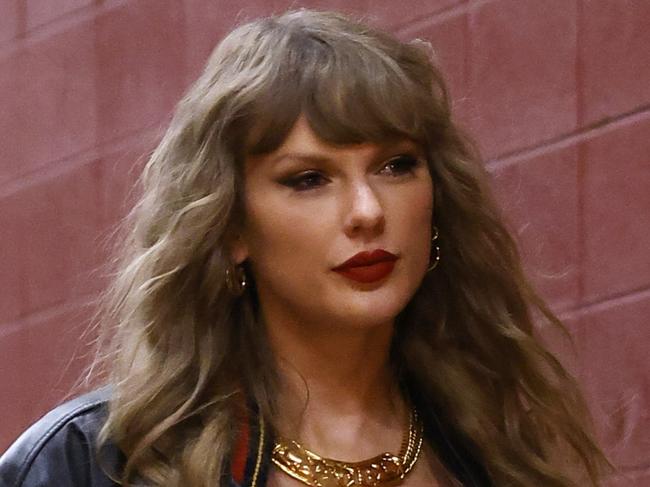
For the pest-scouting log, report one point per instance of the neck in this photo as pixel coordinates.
(337, 384)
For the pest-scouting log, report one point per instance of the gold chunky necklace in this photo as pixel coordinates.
(383, 470)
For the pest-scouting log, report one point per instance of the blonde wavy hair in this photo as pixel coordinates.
(184, 351)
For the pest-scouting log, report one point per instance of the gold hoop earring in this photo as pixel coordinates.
(236, 281)
(433, 263)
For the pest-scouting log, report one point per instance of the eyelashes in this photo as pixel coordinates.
(398, 166)
(305, 180)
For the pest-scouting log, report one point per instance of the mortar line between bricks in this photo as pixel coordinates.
(628, 297)
(426, 20)
(579, 68)
(56, 26)
(35, 318)
(581, 158)
(568, 139)
(636, 469)
(581, 239)
(22, 20)
(642, 468)
(468, 53)
(56, 167)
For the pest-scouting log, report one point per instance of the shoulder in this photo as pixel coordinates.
(59, 449)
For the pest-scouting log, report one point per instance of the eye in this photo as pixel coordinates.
(400, 165)
(305, 181)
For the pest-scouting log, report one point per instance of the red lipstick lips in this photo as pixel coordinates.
(368, 267)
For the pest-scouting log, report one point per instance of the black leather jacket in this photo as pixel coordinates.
(59, 450)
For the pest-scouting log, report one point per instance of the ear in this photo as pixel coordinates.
(238, 249)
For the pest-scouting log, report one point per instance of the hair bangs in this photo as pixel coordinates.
(364, 98)
(348, 96)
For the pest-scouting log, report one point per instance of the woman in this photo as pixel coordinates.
(316, 271)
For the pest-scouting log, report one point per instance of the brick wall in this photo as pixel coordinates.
(556, 92)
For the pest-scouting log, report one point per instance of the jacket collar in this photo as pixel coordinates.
(251, 459)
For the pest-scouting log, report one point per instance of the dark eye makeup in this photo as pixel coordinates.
(304, 180)
(400, 165)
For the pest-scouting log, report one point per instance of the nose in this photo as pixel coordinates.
(365, 214)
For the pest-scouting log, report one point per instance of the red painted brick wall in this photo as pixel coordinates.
(556, 92)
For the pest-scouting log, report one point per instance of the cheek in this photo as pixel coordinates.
(417, 208)
(281, 235)
(414, 223)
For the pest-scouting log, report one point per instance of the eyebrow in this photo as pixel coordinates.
(302, 156)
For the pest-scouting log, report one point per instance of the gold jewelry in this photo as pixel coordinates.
(433, 263)
(236, 280)
(383, 470)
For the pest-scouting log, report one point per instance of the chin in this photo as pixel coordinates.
(369, 311)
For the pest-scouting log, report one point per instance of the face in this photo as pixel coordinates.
(336, 235)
